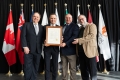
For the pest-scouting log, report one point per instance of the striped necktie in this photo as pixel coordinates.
(36, 29)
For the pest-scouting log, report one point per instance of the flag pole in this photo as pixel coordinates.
(105, 70)
(21, 73)
(88, 7)
(45, 5)
(32, 5)
(58, 62)
(78, 72)
(65, 6)
(78, 13)
(78, 6)
(65, 22)
(44, 64)
(9, 72)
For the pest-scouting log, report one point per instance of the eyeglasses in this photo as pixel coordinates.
(81, 19)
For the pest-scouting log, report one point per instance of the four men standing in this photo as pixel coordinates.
(32, 36)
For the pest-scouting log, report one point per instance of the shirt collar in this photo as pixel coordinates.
(52, 24)
(68, 24)
(35, 23)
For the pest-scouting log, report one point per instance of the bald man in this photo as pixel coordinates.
(31, 41)
(67, 49)
(87, 49)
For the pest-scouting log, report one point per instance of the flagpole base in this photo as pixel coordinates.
(21, 73)
(105, 71)
(9, 73)
(42, 73)
(78, 72)
(69, 72)
(59, 72)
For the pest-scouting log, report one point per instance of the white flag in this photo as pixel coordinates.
(77, 17)
(103, 38)
(44, 22)
(58, 21)
(44, 19)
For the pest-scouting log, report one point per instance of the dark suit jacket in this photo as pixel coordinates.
(70, 33)
(49, 48)
(30, 39)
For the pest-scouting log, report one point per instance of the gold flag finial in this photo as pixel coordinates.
(22, 4)
(78, 5)
(55, 4)
(65, 4)
(32, 5)
(99, 5)
(45, 5)
(88, 6)
(10, 5)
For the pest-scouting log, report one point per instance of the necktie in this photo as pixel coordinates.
(64, 28)
(36, 29)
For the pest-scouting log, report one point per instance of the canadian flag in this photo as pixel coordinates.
(90, 21)
(9, 42)
(18, 43)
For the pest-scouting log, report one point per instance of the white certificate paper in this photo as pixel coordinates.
(54, 36)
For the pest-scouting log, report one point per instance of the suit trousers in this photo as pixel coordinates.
(71, 60)
(88, 66)
(31, 65)
(51, 65)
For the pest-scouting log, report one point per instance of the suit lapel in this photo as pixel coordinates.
(32, 28)
(40, 28)
(67, 28)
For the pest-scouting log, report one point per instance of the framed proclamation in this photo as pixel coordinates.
(53, 35)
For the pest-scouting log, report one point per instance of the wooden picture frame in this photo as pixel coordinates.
(53, 35)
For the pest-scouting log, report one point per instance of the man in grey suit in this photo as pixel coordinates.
(31, 41)
(67, 49)
(87, 49)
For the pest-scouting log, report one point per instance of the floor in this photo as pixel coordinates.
(101, 76)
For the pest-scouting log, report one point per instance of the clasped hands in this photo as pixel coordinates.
(61, 45)
(75, 41)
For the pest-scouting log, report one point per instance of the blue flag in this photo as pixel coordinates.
(31, 15)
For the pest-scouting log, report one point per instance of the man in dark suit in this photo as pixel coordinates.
(68, 50)
(31, 41)
(87, 49)
(51, 52)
